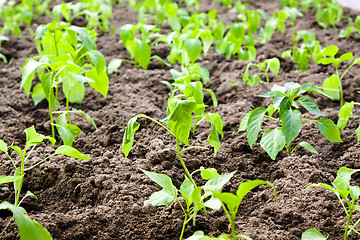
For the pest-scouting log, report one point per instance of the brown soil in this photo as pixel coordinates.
(102, 198)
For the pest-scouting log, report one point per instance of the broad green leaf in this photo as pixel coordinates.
(27, 74)
(208, 173)
(162, 180)
(193, 48)
(291, 125)
(232, 201)
(128, 140)
(308, 147)
(354, 192)
(312, 234)
(97, 59)
(160, 198)
(345, 113)
(3, 146)
(28, 229)
(342, 180)
(345, 57)
(273, 141)
(186, 190)
(37, 94)
(114, 65)
(65, 133)
(217, 125)
(84, 37)
(212, 95)
(215, 184)
(274, 65)
(254, 124)
(291, 86)
(244, 122)
(71, 152)
(127, 33)
(330, 131)
(101, 80)
(8, 179)
(207, 39)
(73, 89)
(246, 187)
(330, 51)
(331, 87)
(197, 201)
(180, 119)
(309, 105)
(142, 53)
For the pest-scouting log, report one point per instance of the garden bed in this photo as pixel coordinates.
(102, 198)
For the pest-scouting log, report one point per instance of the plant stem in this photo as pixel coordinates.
(231, 220)
(67, 107)
(183, 163)
(348, 225)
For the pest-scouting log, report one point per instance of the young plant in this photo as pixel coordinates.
(2, 56)
(328, 13)
(67, 58)
(313, 234)
(33, 139)
(196, 197)
(332, 85)
(28, 228)
(347, 195)
(309, 50)
(285, 103)
(272, 64)
(353, 28)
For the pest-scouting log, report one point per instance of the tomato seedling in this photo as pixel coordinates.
(332, 85)
(285, 103)
(347, 195)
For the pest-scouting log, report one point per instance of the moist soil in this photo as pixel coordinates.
(102, 198)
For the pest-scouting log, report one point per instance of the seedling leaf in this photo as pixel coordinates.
(291, 125)
(254, 124)
(164, 181)
(215, 184)
(114, 65)
(160, 198)
(128, 140)
(27, 74)
(345, 113)
(312, 234)
(273, 141)
(308, 147)
(3, 146)
(71, 152)
(309, 105)
(342, 180)
(244, 122)
(331, 86)
(8, 179)
(330, 131)
(28, 229)
(193, 48)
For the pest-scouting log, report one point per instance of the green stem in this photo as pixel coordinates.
(51, 120)
(353, 226)
(288, 149)
(348, 225)
(67, 107)
(232, 223)
(38, 163)
(340, 86)
(183, 163)
(183, 227)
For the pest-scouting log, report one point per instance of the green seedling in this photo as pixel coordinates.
(16, 14)
(329, 13)
(33, 139)
(2, 56)
(28, 228)
(347, 196)
(230, 203)
(313, 234)
(309, 50)
(353, 28)
(68, 59)
(286, 101)
(139, 48)
(196, 197)
(97, 13)
(332, 85)
(272, 64)
(345, 113)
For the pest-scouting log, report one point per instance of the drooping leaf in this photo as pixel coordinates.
(27, 74)
(342, 180)
(308, 147)
(244, 122)
(8, 179)
(331, 86)
(71, 152)
(3, 146)
(37, 94)
(28, 229)
(128, 140)
(215, 184)
(142, 53)
(254, 124)
(291, 125)
(330, 131)
(114, 65)
(160, 198)
(84, 37)
(208, 173)
(273, 141)
(101, 80)
(345, 113)
(246, 187)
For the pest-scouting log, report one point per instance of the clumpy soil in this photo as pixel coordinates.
(102, 198)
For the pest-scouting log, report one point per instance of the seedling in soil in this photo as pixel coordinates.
(33, 139)
(309, 50)
(28, 228)
(196, 197)
(139, 49)
(68, 59)
(285, 103)
(272, 64)
(332, 85)
(328, 13)
(344, 191)
(2, 56)
(353, 28)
